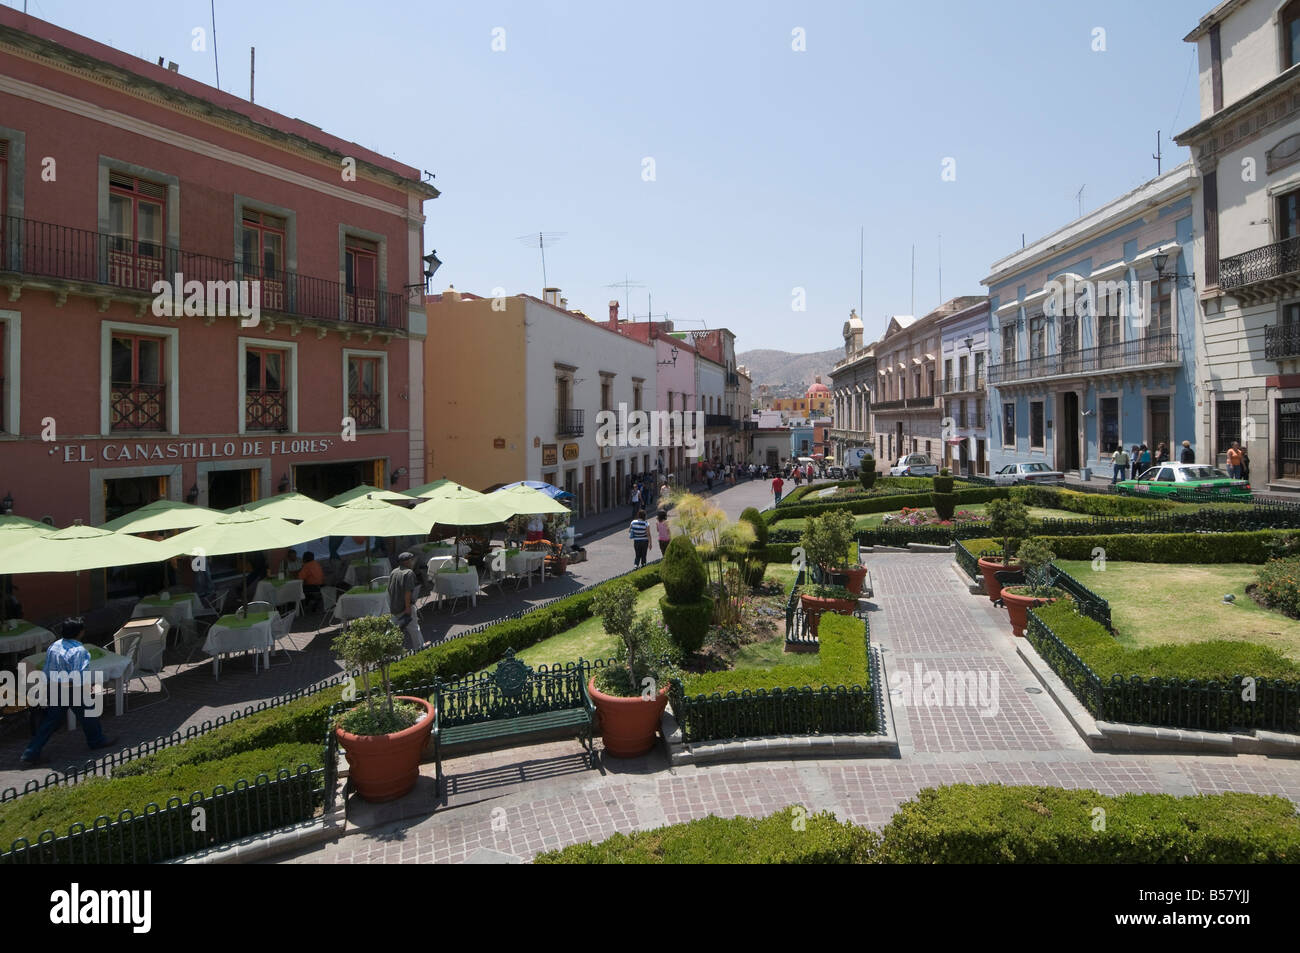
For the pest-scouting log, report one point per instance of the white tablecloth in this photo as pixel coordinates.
(227, 639)
(433, 564)
(278, 592)
(179, 608)
(527, 562)
(26, 636)
(453, 584)
(115, 668)
(360, 572)
(358, 605)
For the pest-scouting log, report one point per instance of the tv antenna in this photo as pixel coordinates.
(626, 284)
(541, 241)
(1078, 197)
(1156, 155)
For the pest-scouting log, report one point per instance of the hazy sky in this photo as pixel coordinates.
(766, 160)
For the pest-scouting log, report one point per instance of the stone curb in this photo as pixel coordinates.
(1121, 737)
(930, 548)
(974, 586)
(880, 745)
(272, 843)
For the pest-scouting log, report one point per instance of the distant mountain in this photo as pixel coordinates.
(784, 371)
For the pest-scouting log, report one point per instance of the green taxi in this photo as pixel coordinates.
(1189, 482)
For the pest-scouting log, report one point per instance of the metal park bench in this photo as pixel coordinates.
(509, 703)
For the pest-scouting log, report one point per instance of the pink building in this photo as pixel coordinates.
(115, 175)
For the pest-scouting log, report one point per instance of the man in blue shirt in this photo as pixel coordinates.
(67, 655)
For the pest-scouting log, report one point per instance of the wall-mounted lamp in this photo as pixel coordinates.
(969, 341)
(192, 496)
(673, 362)
(7, 504)
(1159, 261)
(431, 264)
(284, 483)
(396, 475)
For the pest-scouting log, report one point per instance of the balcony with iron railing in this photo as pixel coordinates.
(963, 384)
(1281, 341)
(136, 406)
(266, 410)
(97, 264)
(569, 423)
(1136, 354)
(907, 403)
(1259, 274)
(367, 410)
(718, 420)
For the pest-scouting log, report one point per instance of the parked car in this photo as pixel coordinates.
(835, 473)
(1036, 474)
(1187, 481)
(914, 464)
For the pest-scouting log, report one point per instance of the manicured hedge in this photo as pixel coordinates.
(1094, 504)
(842, 660)
(203, 763)
(1216, 659)
(884, 504)
(992, 823)
(790, 836)
(1248, 547)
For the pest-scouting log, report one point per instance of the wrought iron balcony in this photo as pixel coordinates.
(718, 420)
(1281, 341)
(569, 423)
(927, 401)
(136, 406)
(122, 266)
(1125, 355)
(266, 410)
(367, 410)
(1266, 272)
(964, 384)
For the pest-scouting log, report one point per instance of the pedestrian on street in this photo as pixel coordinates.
(1162, 455)
(1187, 456)
(777, 485)
(1119, 461)
(1245, 464)
(67, 657)
(1234, 461)
(401, 600)
(639, 533)
(1145, 458)
(665, 532)
(636, 497)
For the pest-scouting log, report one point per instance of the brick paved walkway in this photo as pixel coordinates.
(924, 617)
(195, 697)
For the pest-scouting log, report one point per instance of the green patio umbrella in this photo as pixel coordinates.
(363, 491)
(12, 522)
(16, 529)
(465, 508)
(288, 506)
(369, 517)
(436, 488)
(161, 515)
(529, 502)
(79, 547)
(237, 534)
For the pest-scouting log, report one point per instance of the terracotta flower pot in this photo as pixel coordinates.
(385, 767)
(629, 726)
(814, 606)
(989, 567)
(854, 579)
(1018, 607)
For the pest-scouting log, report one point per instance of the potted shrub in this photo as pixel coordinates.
(383, 739)
(1009, 522)
(817, 599)
(827, 540)
(1036, 557)
(686, 610)
(630, 695)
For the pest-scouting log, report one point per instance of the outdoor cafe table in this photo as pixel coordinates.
(454, 583)
(230, 635)
(279, 592)
(176, 609)
(23, 636)
(115, 668)
(361, 601)
(525, 563)
(361, 572)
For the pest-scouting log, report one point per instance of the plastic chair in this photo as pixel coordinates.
(329, 597)
(281, 628)
(128, 645)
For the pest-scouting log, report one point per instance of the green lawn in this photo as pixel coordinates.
(1164, 603)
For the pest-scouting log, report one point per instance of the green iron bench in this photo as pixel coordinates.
(509, 703)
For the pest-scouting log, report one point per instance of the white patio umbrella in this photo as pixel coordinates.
(288, 506)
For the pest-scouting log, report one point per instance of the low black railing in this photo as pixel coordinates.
(569, 423)
(1139, 352)
(718, 420)
(45, 250)
(1281, 341)
(1260, 264)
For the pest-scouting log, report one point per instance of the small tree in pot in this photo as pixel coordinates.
(1008, 521)
(630, 695)
(825, 542)
(382, 741)
(1036, 558)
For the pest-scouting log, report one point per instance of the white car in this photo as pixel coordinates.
(1036, 474)
(914, 464)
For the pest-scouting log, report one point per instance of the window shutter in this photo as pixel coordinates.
(1210, 195)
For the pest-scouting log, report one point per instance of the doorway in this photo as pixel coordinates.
(980, 469)
(1158, 417)
(898, 440)
(588, 489)
(605, 494)
(123, 496)
(1067, 446)
(231, 488)
(320, 481)
(1288, 440)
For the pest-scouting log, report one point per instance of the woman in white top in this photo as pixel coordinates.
(536, 528)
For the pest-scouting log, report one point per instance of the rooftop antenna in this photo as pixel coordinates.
(913, 280)
(862, 232)
(1156, 154)
(1078, 197)
(626, 284)
(540, 241)
(252, 70)
(212, 6)
(941, 269)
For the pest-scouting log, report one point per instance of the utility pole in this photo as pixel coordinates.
(1156, 154)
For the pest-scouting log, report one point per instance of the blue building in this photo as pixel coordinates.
(1091, 345)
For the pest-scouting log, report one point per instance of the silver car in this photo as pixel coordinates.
(1035, 474)
(914, 464)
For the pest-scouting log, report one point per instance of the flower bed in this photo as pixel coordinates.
(920, 516)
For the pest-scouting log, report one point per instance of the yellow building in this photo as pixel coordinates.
(816, 402)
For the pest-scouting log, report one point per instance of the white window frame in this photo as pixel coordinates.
(12, 329)
(172, 360)
(291, 368)
(383, 366)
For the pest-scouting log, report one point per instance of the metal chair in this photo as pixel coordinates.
(281, 628)
(253, 608)
(329, 597)
(128, 645)
(379, 582)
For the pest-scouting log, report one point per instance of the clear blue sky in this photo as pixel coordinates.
(767, 160)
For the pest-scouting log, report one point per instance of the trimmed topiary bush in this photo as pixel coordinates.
(682, 571)
(867, 475)
(755, 561)
(943, 484)
(945, 504)
(688, 622)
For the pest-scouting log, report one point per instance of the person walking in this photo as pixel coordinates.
(639, 533)
(665, 532)
(1245, 464)
(1144, 458)
(401, 600)
(1234, 461)
(1187, 456)
(1119, 461)
(1162, 455)
(636, 497)
(777, 486)
(67, 657)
